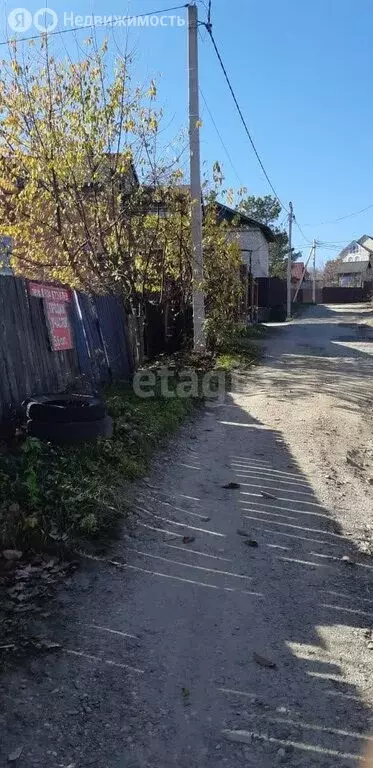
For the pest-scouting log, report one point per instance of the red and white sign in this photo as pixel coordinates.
(49, 292)
(58, 324)
(55, 300)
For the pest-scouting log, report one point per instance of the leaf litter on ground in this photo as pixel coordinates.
(24, 589)
(15, 755)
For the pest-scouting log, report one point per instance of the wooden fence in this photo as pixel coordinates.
(28, 366)
(344, 295)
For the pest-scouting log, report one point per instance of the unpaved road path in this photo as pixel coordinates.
(157, 668)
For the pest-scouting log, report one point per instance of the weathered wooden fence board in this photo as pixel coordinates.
(28, 365)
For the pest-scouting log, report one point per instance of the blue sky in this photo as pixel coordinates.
(302, 72)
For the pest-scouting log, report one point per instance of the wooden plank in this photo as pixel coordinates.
(28, 365)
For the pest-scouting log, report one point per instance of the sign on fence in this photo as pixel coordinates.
(49, 292)
(58, 325)
(55, 300)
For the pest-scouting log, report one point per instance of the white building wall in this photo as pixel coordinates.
(253, 240)
(355, 252)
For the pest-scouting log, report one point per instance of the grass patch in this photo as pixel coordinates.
(237, 350)
(55, 495)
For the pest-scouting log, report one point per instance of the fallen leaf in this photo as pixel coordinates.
(353, 463)
(185, 692)
(12, 554)
(231, 486)
(15, 755)
(188, 539)
(263, 662)
(268, 495)
(251, 543)
(24, 573)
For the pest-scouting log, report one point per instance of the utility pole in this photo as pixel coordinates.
(314, 273)
(303, 273)
(289, 262)
(195, 183)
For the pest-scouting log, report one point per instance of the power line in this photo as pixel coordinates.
(221, 140)
(343, 218)
(86, 26)
(307, 240)
(239, 110)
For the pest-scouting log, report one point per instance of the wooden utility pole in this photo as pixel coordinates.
(195, 183)
(289, 262)
(303, 273)
(314, 273)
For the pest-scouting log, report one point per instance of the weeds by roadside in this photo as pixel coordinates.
(238, 349)
(55, 498)
(53, 495)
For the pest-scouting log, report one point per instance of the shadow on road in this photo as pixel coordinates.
(333, 358)
(156, 665)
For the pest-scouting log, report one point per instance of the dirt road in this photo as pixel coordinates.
(166, 649)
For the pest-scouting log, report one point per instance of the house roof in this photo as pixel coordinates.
(229, 214)
(352, 267)
(224, 211)
(363, 241)
(297, 270)
(366, 244)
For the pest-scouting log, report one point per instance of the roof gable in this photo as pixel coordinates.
(230, 214)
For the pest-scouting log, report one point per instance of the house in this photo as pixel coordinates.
(356, 263)
(297, 270)
(253, 237)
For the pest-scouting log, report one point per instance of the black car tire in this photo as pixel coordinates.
(63, 409)
(70, 432)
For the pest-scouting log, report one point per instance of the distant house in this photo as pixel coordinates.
(356, 263)
(253, 237)
(297, 269)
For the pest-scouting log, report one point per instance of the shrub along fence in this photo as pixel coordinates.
(51, 336)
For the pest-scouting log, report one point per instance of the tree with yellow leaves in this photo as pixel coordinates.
(84, 194)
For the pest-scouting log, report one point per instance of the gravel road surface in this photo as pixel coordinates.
(215, 652)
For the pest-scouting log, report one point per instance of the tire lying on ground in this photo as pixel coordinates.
(70, 432)
(64, 409)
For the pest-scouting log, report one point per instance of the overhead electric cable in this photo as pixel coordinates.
(13, 40)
